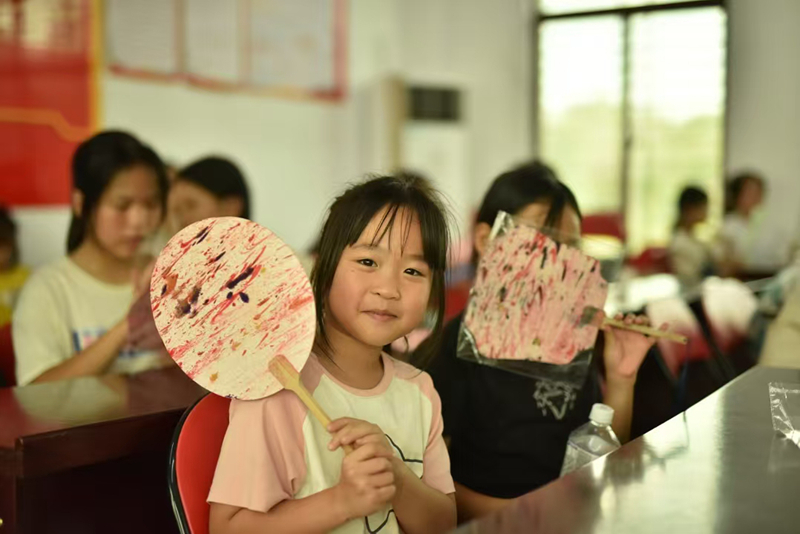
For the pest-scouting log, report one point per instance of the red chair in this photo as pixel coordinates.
(653, 260)
(193, 459)
(608, 224)
(7, 361)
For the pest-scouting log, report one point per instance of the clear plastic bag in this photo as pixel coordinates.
(526, 311)
(784, 400)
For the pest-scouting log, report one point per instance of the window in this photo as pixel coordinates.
(631, 106)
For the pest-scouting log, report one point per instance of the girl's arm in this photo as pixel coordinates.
(320, 512)
(420, 508)
(623, 355)
(93, 360)
(472, 505)
(366, 485)
(619, 395)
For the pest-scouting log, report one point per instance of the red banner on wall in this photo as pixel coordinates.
(46, 96)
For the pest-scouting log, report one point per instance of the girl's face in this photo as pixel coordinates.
(380, 291)
(128, 211)
(750, 197)
(188, 203)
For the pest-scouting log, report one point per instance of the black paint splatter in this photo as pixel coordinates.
(233, 283)
(502, 294)
(202, 235)
(195, 295)
(230, 295)
(164, 290)
(245, 298)
(218, 257)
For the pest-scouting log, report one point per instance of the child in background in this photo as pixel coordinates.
(210, 187)
(690, 259)
(737, 236)
(381, 266)
(12, 274)
(508, 433)
(71, 319)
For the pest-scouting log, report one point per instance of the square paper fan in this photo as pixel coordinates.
(529, 295)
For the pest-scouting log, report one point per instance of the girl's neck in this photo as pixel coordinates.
(101, 265)
(351, 361)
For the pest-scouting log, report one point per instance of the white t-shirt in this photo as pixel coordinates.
(689, 258)
(61, 311)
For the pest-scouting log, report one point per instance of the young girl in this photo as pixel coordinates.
(736, 240)
(210, 187)
(71, 317)
(690, 258)
(381, 266)
(508, 433)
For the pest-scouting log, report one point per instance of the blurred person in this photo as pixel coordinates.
(12, 274)
(690, 258)
(71, 318)
(738, 235)
(210, 187)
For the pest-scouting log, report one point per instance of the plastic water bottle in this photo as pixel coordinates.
(591, 441)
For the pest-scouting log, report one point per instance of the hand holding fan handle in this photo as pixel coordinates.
(289, 378)
(648, 331)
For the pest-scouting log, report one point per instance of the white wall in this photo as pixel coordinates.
(764, 108)
(297, 154)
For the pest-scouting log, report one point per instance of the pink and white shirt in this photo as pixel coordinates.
(275, 449)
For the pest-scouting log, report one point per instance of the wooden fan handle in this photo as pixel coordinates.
(313, 406)
(648, 331)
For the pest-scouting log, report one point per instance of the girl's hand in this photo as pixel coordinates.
(367, 483)
(357, 433)
(625, 350)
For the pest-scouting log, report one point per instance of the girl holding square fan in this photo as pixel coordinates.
(508, 433)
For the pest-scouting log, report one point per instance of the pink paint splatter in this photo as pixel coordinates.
(225, 280)
(528, 298)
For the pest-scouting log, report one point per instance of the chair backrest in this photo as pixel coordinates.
(682, 320)
(193, 460)
(729, 306)
(608, 224)
(8, 373)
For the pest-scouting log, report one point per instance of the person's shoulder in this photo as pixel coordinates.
(279, 408)
(409, 373)
(47, 277)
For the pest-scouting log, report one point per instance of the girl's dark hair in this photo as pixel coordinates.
(691, 197)
(524, 185)
(8, 234)
(220, 177)
(350, 214)
(95, 164)
(735, 186)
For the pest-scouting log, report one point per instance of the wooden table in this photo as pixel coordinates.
(719, 467)
(90, 455)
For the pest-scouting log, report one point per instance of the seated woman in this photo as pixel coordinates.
(71, 318)
(210, 187)
(508, 433)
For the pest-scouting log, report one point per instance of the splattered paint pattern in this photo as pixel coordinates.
(227, 296)
(528, 297)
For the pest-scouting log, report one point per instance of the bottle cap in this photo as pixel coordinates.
(602, 414)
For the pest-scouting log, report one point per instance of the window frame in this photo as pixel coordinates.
(625, 13)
